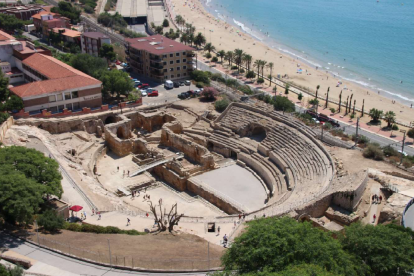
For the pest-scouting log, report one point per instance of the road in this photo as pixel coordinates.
(348, 129)
(67, 264)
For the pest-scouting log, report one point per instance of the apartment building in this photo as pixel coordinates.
(54, 85)
(23, 12)
(45, 21)
(91, 42)
(160, 58)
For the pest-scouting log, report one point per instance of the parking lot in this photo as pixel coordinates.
(164, 95)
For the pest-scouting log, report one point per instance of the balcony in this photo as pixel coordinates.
(190, 54)
(156, 66)
(154, 58)
(158, 73)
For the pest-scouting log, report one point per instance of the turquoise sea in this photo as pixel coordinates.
(366, 41)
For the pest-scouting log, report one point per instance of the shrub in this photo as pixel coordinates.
(90, 228)
(232, 83)
(165, 23)
(260, 80)
(394, 127)
(208, 55)
(373, 151)
(246, 89)
(261, 96)
(3, 117)
(314, 101)
(287, 88)
(200, 84)
(267, 98)
(332, 110)
(327, 126)
(250, 75)
(214, 59)
(133, 96)
(283, 104)
(88, 9)
(72, 227)
(112, 230)
(133, 232)
(407, 163)
(50, 221)
(200, 76)
(300, 96)
(242, 71)
(215, 76)
(390, 151)
(209, 93)
(234, 67)
(222, 104)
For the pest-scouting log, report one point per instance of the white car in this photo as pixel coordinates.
(403, 152)
(144, 93)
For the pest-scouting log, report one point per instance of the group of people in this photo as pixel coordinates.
(376, 199)
(125, 172)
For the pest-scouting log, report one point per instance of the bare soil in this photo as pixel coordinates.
(159, 251)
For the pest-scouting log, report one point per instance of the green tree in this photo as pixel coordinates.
(287, 88)
(3, 117)
(12, 103)
(165, 23)
(298, 270)
(250, 75)
(209, 47)
(283, 104)
(274, 244)
(229, 57)
(238, 58)
(88, 64)
(410, 133)
(4, 83)
(300, 96)
(50, 221)
(257, 63)
(247, 59)
(209, 93)
(67, 10)
(389, 117)
(222, 104)
(200, 40)
(385, 250)
(180, 21)
(375, 114)
(10, 23)
(200, 76)
(221, 54)
(271, 65)
(115, 82)
(107, 51)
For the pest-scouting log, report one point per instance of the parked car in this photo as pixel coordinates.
(181, 83)
(176, 84)
(184, 95)
(143, 86)
(168, 84)
(144, 93)
(118, 62)
(187, 82)
(198, 92)
(152, 92)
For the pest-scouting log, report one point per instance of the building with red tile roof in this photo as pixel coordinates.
(91, 42)
(160, 58)
(54, 85)
(23, 12)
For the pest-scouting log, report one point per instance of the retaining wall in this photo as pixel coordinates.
(4, 127)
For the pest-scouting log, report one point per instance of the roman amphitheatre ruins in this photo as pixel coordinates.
(248, 160)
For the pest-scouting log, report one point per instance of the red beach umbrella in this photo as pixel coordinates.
(76, 208)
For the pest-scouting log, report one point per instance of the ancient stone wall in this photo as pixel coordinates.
(151, 120)
(4, 127)
(192, 150)
(172, 178)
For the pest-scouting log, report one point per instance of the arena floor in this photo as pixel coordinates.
(237, 184)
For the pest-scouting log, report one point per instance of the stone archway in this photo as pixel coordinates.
(255, 132)
(120, 133)
(110, 120)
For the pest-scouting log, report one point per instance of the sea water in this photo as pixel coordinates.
(369, 42)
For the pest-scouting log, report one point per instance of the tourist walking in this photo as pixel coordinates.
(117, 168)
(84, 214)
(374, 218)
(99, 217)
(380, 198)
(225, 240)
(218, 231)
(128, 221)
(93, 212)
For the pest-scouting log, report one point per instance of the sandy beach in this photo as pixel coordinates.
(228, 37)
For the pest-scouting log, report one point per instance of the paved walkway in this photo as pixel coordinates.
(50, 263)
(375, 207)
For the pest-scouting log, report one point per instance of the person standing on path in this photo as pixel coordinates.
(374, 218)
(218, 231)
(128, 221)
(99, 217)
(84, 214)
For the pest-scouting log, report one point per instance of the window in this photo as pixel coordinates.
(177, 54)
(165, 77)
(178, 75)
(165, 70)
(76, 106)
(184, 67)
(184, 60)
(184, 54)
(172, 62)
(171, 69)
(172, 76)
(178, 61)
(178, 68)
(53, 109)
(59, 97)
(185, 74)
(164, 56)
(75, 95)
(165, 63)
(69, 106)
(52, 99)
(171, 55)
(67, 96)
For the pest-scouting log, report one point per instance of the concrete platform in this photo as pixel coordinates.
(237, 184)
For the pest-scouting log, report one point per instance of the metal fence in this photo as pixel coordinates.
(124, 261)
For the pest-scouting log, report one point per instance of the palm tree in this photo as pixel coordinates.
(209, 47)
(184, 38)
(263, 66)
(317, 89)
(221, 54)
(375, 114)
(270, 66)
(257, 63)
(389, 117)
(200, 40)
(190, 38)
(229, 57)
(248, 61)
(238, 57)
(180, 21)
(340, 100)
